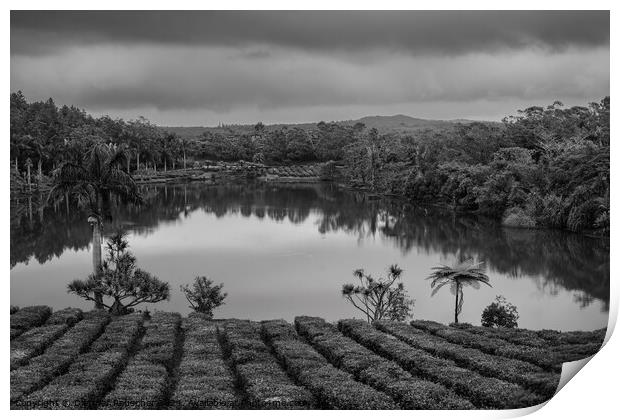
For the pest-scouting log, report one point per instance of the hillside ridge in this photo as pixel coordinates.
(384, 123)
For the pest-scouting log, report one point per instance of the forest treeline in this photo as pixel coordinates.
(544, 167)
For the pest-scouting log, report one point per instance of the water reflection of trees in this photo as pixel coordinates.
(556, 260)
(44, 233)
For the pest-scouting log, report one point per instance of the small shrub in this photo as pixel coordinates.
(516, 217)
(500, 313)
(203, 296)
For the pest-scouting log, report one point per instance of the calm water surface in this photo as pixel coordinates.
(283, 251)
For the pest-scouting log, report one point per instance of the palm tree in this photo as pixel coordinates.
(93, 180)
(465, 273)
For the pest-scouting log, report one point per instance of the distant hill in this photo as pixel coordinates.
(404, 122)
(394, 123)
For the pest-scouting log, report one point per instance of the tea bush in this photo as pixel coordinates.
(205, 380)
(91, 375)
(42, 369)
(483, 392)
(144, 382)
(511, 370)
(332, 387)
(367, 367)
(28, 317)
(258, 372)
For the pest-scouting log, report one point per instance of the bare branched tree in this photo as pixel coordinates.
(378, 298)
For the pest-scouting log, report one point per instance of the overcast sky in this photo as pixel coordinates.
(201, 68)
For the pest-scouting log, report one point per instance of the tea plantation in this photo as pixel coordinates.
(71, 359)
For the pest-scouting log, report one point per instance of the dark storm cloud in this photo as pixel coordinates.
(203, 67)
(418, 32)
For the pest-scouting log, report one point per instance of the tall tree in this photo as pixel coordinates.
(93, 180)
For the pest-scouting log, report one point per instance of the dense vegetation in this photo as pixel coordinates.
(69, 359)
(47, 135)
(544, 167)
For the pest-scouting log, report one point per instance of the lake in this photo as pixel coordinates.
(285, 250)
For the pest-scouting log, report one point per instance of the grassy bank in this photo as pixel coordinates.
(69, 359)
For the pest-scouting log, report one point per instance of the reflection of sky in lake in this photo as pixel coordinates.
(279, 269)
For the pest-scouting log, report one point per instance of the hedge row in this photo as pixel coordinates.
(552, 357)
(571, 352)
(573, 337)
(33, 342)
(332, 387)
(511, 370)
(482, 391)
(27, 318)
(512, 335)
(542, 338)
(92, 374)
(119, 335)
(367, 367)
(205, 381)
(67, 316)
(535, 355)
(259, 374)
(546, 348)
(41, 369)
(144, 382)
(298, 171)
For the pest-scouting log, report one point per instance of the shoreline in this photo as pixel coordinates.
(223, 172)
